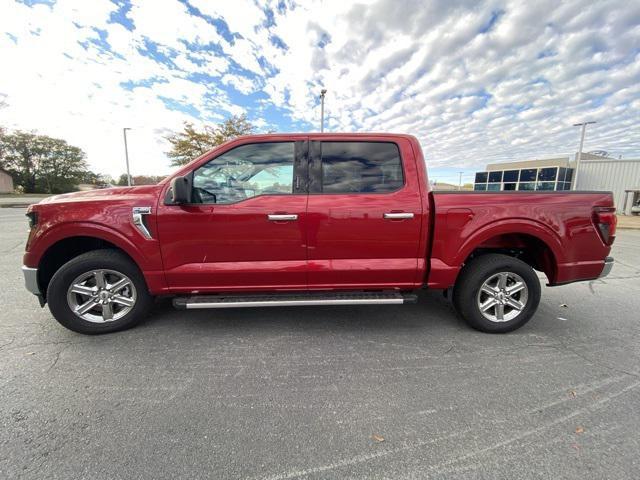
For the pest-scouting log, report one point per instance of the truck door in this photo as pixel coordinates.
(364, 214)
(246, 227)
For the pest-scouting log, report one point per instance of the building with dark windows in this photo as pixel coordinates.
(547, 174)
(597, 172)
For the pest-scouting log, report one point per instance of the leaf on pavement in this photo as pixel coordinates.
(579, 430)
(377, 438)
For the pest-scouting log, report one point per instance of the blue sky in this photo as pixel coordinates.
(476, 82)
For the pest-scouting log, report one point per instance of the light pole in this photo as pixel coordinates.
(584, 127)
(126, 154)
(322, 93)
(460, 181)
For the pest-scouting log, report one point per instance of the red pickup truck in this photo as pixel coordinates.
(309, 219)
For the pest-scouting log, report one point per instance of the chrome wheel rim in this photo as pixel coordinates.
(502, 297)
(101, 296)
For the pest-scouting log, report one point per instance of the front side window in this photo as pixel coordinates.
(361, 167)
(244, 172)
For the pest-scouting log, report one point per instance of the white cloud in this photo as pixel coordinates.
(476, 82)
(168, 22)
(242, 84)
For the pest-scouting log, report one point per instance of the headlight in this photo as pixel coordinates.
(32, 219)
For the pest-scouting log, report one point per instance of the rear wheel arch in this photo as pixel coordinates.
(534, 244)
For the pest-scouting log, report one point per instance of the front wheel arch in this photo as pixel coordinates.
(67, 249)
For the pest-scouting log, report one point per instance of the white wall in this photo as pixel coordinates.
(612, 175)
(6, 183)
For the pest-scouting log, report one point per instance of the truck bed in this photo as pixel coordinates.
(556, 228)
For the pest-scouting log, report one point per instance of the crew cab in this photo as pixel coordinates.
(309, 219)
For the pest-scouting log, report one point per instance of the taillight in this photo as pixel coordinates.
(605, 219)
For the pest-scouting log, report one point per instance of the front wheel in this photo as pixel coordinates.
(496, 293)
(100, 291)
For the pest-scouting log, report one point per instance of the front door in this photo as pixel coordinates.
(364, 215)
(246, 227)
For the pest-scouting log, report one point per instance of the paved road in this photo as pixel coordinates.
(301, 392)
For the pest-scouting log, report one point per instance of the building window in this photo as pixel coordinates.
(481, 177)
(495, 177)
(527, 179)
(546, 186)
(527, 186)
(569, 176)
(547, 174)
(562, 173)
(510, 176)
(528, 175)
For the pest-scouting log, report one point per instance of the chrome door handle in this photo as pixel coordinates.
(282, 218)
(398, 215)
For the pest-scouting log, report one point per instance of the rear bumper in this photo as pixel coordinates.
(608, 265)
(31, 279)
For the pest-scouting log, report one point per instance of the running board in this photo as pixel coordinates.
(293, 299)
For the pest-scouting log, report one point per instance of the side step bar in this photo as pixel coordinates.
(293, 299)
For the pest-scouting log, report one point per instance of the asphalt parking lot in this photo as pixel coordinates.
(394, 392)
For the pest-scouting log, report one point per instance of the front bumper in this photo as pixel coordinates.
(608, 265)
(31, 279)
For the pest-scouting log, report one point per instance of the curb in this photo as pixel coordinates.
(14, 205)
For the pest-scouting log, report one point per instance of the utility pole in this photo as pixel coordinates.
(322, 93)
(584, 127)
(460, 181)
(126, 154)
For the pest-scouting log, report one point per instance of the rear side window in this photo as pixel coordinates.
(361, 167)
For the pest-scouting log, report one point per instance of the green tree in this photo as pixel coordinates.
(40, 163)
(191, 143)
(147, 179)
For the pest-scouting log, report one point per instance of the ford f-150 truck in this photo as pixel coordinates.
(309, 219)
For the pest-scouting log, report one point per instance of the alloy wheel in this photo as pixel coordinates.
(101, 296)
(502, 297)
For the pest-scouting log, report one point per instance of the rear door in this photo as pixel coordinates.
(363, 214)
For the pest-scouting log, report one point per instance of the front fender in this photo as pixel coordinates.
(144, 252)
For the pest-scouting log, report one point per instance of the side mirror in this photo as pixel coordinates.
(181, 190)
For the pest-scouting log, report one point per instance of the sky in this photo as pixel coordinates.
(476, 81)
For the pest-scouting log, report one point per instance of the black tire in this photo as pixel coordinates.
(466, 297)
(106, 259)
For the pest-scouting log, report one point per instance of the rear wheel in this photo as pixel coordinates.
(98, 292)
(496, 293)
